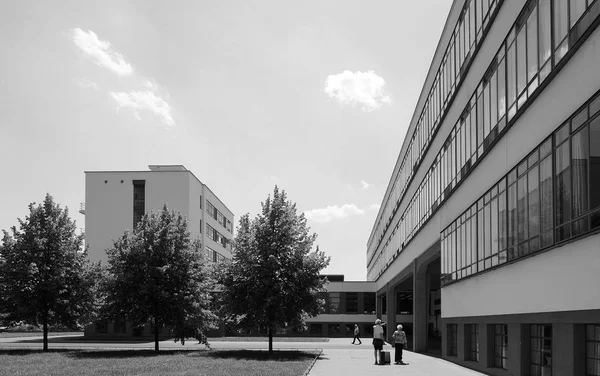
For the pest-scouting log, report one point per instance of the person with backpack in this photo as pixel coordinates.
(400, 342)
(356, 335)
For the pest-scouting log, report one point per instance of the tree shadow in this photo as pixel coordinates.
(121, 354)
(25, 352)
(81, 339)
(261, 355)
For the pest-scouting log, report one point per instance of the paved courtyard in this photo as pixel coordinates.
(339, 356)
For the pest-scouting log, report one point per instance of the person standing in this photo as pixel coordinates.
(400, 342)
(378, 339)
(356, 335)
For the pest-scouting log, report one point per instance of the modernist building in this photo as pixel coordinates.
(494, 202)
(116, 200)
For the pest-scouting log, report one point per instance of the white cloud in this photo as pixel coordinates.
(85, 83)
(139, 101)
(361, 88)
(324, 215)
(365, 185)
(151, 84)
(100, 52)
(273, 177)
(374, 206)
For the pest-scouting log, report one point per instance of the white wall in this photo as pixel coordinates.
(562, 279)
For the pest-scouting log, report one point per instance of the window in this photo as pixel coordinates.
(595, 171)
(119, 327)
(500, 345)
(334, 302)
(200, 202)
(201, 226)
(474, 334)
(592, 339)
(102, 327)
(369, 302)
(351, 302)
(452, 340)
(139, 201)
(541, 350)
(333, 329)
(316, 328)
(404, 303)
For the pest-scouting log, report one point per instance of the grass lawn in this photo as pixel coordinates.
(266, 339)
(36, 334)
(143, 362)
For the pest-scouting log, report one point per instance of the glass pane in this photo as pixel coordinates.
(512, 215)
(577, 9)
(595, 163)
(511, 72)
(493, 101)
(561, 23)
(501, 89)
(532, 45)
(522, 208)
(502, 221)
(534, 207)
(486, 110)
(544, 30)
(563, 184)
(494, 226)
(579, 167)
(546, 198)
(521, 60)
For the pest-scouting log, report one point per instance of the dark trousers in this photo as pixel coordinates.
(356, 338)
(398, 352)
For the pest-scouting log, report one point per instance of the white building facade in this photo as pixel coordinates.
(493, 207)
(116, 200)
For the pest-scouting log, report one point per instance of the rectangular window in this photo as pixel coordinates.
(452, 340)
(316, 328)
(474, 333)
(561, 25)
(494, 232)
(563, 191)
(592, 353)
(501, 89)
(512, 221)
(579, 170)
(545, 30)
(333, 329)
(576, 10)
(139, 201)
(334, 302)
(502, 227)
(102, 327)
(595, 170)
(500, 345)
(511, 72)
(521, 60)
(532, 45)
(533, 216)
(200, 202)
(541, 350)
(546, 203)
(351, 302)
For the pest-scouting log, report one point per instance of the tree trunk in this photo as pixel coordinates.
(270, 340)
(46, 331)
(155, 337)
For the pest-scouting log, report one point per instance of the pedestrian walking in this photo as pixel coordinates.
(356, 335)
(378, 339)
(400, 342)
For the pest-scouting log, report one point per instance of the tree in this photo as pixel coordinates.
(44, 276)
(156, 275)
(273, 279)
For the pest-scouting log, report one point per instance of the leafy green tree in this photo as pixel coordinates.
(273, 279)
(157, 275)
(44, 276)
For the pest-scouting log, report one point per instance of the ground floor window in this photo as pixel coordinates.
(316, 328)
(333, 329)
(474, 333)
(102, 327)
(541, 350)
(592, 338)
(452, 340)
(119, 327)
(500, 345)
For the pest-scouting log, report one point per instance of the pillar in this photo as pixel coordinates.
(420, 314)
(518, 349)
(568, 349)
(391, 312)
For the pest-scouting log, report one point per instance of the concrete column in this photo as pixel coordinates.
(463, 341)
(486, 345)
(568, 349)
(420, 314)
(518, 349)
(391, 313)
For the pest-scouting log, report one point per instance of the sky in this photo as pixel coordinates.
(314, 96)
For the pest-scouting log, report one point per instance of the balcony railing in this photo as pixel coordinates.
(82, 208)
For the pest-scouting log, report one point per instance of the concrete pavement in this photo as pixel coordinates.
(339, 356)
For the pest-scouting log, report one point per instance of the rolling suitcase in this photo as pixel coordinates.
(384, 357)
